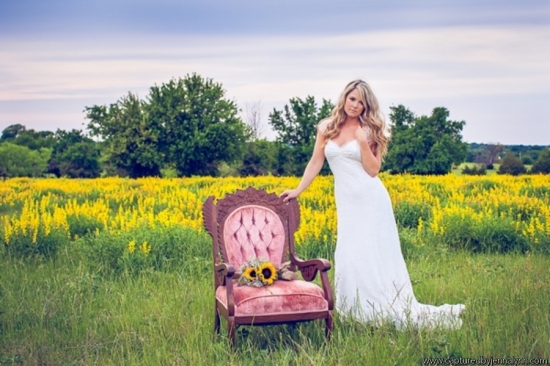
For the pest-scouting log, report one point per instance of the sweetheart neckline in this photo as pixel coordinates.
(344, 144)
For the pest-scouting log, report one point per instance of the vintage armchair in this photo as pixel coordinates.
(250, 224)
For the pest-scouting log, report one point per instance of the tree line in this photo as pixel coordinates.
(188, 127)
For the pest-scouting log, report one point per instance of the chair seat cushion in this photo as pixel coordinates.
(281, 297)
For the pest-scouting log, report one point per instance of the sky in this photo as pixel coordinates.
(486, 61)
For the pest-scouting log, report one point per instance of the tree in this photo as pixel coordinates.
(20, 161)
(511, 165)
(74, 155)
(260, 158)
(252, 116)
(296, 127)
(186, 124)
(132, 139)
(475, 170)
(542, 165)
(198, 128)
(34, 140)
(426, 144)
(493, 152)
(11, 132)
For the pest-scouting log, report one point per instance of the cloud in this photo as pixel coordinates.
(419, 63)
(410, 66)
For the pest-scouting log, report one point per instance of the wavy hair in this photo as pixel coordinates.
(371, 117)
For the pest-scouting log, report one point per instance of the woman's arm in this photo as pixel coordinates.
(370, 156)
(312, 169)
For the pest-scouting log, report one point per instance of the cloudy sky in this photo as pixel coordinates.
(487, 61)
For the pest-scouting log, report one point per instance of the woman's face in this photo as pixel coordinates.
(354, 105)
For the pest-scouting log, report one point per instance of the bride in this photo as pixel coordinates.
(372, 281)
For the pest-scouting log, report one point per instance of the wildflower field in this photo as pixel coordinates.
(118, 271)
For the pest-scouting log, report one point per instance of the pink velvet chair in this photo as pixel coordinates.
(254, 224)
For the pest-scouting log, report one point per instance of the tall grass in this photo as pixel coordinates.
(60, 312)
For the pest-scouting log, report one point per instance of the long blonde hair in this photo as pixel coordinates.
(371, 117)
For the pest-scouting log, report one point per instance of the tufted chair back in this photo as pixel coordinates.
(253, 232)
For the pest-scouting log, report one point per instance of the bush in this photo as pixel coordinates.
(407, 213)
(20, 161)
(475, 170)
(494, 235)
(542, 165)
(169, 172)
(24, 245)
(146, 248)
(480, 186)
(259, 158)
(80, 225)
(512, 165)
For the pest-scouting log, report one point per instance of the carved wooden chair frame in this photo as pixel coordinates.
(215, 215)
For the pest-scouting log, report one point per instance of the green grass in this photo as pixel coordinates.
(458, 170)
(61, 312)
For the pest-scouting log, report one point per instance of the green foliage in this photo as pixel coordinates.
(199, 128)
(169, 172)
(74, 155)
(424, 145)
(408, 214)
(296, 127)
(486, 154)
(186, 123)
(260, 158)
(34, 140)
(493, 153)
(24, 245)
(158, 248)
(81, 225)
(226, 170)
(511, 165)
(20, 161)
(131, 138)
(12, 131)
(475, 170)
(493, 236)
(542, 165)
(480, 187)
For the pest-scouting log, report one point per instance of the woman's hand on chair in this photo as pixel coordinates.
(289, 194)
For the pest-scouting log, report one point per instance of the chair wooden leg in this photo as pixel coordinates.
(216, 322)
(231, 330)
(329, 325)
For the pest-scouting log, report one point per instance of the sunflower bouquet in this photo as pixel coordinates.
(258, 273)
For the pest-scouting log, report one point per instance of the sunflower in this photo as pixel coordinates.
(267, 273)
(250, 273)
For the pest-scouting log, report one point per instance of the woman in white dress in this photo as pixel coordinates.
(372, 281)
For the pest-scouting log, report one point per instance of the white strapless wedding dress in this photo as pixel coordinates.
(371, 278)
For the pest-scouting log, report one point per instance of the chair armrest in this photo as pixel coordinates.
(223, 272)
(309, 267)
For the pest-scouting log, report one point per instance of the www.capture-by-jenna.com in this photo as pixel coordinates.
(489, 361)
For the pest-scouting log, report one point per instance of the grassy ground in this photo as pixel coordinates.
(61, 312)
(458, 170)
